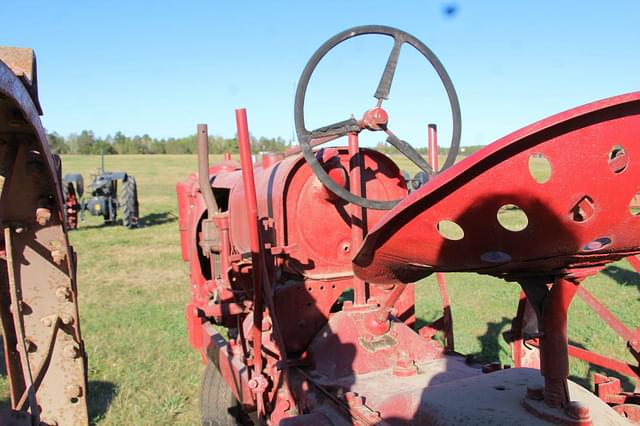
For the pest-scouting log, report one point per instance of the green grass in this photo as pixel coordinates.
(133, 286)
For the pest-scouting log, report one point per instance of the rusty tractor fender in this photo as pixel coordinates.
(44, 353)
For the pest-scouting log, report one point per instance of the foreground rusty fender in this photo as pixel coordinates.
(44, 352)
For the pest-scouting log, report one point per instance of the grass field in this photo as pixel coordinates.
(133, 287)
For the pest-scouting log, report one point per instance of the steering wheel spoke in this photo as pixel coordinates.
(407, 150)
(340, 128)
(384, 86)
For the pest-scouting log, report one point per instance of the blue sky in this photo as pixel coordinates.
(161, 67)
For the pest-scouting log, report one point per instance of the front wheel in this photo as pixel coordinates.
(218, 406)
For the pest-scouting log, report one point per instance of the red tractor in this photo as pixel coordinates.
(302, 267)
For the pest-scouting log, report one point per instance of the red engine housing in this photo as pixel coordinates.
(306, 231)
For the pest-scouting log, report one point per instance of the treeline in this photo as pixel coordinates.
(86, 142)
(442, 150)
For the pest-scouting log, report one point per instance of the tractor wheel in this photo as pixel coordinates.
(70, 206)
(129, 202)
(218, 406)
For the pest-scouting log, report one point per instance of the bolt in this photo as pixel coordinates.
(577, 410)
(48, 320)
(70, 351)
(258, 384)
(29, 345)
(405, 366)
(73, 391)
(43, 216)
(19, 229)
(63, 293)
(353, 400)
(536, 394)
(57, 255)
(66, 318)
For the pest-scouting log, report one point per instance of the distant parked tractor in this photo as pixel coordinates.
(104, 197)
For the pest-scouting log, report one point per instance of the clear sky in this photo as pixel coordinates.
(160, 67)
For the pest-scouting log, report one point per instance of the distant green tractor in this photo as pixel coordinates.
(104, 197)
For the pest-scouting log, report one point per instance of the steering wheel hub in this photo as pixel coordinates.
(375, 119)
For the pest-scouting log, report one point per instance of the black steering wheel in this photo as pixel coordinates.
(374, 119)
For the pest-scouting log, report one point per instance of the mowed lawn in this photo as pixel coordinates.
(133, 286)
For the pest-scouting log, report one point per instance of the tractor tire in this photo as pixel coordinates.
(129, 202)
(218, 406)
(65, 195)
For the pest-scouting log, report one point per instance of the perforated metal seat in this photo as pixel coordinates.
(578, 213)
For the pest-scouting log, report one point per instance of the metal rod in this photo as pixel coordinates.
(202, 137)
(554, 344)
(256, 255)
(433, 147)
(357, 214)
(394, 296)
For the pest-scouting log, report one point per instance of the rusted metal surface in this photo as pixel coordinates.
(44, 351)
(22, 61)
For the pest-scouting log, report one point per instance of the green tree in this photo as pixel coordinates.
(57, 143)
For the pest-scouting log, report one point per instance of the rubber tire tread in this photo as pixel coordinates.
(129, 202)
(65, 194)
(218, 406)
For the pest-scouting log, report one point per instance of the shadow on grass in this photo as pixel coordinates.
(99, 394)
(490, 341)
(151, 219)
(622, 276)
(158, 219)
(99, 397)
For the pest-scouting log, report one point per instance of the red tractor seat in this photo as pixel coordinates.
(558, 194)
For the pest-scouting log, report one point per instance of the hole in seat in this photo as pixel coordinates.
(495, 257)
(450, 230)
(512, 218)
(597, 244)
(583, 209)
(634, 204)
(618, 159)
(540, 167)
